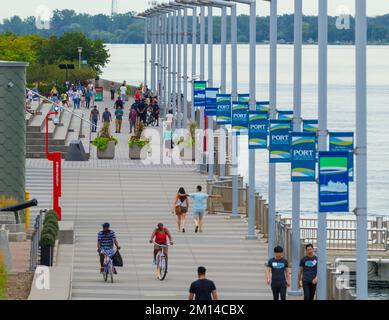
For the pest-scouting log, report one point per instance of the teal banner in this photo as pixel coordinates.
(258, 129)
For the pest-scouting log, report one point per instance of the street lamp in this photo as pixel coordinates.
(79, 56)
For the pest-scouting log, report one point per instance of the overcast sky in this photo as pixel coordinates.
(24, 8)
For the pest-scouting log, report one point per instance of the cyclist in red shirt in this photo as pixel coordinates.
(160, 236)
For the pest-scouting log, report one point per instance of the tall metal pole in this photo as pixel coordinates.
(210, 136)
(145, 51)
(322, 142)
(298, 42)
(185, 123)
(234, 96)
(273, 114)
(170, 75)
(153, 44)
(179, 70)
(158, 55)
(253, 42)
(194, 54)
(165, 64)
(202, 78)
(174, 66)
(361, 149)
(222, 135)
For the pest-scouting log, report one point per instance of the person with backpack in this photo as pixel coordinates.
(180, 208)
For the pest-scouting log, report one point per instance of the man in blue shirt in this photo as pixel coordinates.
(308, 273)
(106, 239)
(199, 201)
(277, 274)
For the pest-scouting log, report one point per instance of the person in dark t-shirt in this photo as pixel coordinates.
(202, 289)
(308, 273)
(277, 274)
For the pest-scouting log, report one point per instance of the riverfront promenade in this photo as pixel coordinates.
(134, 197)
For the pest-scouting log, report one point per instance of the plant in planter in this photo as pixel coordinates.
(137, 143)
(105, 143)
(47, 243)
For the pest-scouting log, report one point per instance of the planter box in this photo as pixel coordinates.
(188, 153)
(136, 153)
(109, 153)
(47, 254)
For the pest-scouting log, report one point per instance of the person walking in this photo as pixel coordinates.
(107, 117)
(168, 140)
(123, 91)
(277, 274)
(88, 97)
(142, 111)
(112, 89)
(202, 289)
(180, 208)
(198, 211)
(308, 273)
(94, 117)
(132, 118)
(169, 119)
(119, 103)
(119, 113)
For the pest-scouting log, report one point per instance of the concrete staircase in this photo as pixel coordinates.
(70, 128)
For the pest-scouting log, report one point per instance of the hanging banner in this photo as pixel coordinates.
(344, 141)
(333, 181)
(99, 94)
(240, 116)
(285, 115)
(303, 156)
(279, 143)
(199, 93)
(223, 109)
(263, 106)
(244, 98)
(258, 129)
(210, 101)
(311, 126)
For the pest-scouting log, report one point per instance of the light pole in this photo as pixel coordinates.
(322, 143)
(272, 115)
(361, 149)
(79, 56)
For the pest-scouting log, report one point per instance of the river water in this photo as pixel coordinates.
(127, 64)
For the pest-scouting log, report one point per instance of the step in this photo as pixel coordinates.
(42, 148)
(61, 132)
(41, 141)
(35, 107)
(40, 155)
(38, 121)
(74, 127)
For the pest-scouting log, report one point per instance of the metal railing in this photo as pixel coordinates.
(35, 238)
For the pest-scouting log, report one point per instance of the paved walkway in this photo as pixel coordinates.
(134, 197)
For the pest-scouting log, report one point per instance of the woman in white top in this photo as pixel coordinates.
(169, 119)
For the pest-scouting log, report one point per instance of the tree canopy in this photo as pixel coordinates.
(126, 28)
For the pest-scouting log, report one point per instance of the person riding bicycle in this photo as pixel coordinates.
(106, 239)
(160, 236)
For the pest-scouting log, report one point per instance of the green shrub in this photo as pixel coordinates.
(50, 229)
(52, 213)
(52, 221)
(101, 141)
(47, 240)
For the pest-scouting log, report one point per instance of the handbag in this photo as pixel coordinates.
(178, 210)
(117, 259)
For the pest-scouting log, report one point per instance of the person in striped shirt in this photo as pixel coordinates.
(106, 239)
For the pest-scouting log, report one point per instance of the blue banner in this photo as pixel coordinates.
(240, 116)
(223, 109)
(210, 101)
(333, 181)
(285, 115)
(279, 143)
(303, 157)
(244, 98)
(199, 93)
(344, 141)
(258, 129)
(263, 106)
(311, 126)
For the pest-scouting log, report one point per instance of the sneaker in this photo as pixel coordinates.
(197, 229)
(183, 230)
(114, 271)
